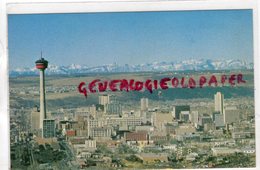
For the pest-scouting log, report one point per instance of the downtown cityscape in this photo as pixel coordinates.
(132, 90)
(123, 130)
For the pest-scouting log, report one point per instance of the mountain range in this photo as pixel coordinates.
(192, 64)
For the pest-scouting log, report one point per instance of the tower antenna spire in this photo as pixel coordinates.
(41, 54)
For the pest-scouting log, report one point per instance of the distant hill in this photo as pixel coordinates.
(193, 64)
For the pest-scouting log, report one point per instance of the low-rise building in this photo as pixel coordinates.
(248, 150)
(138, 138)
(185, 129)
(89, 145)
(216, 151)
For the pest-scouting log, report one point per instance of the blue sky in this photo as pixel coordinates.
(130, 38)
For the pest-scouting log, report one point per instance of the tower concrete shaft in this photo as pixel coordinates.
(42, 64)
(43, 114)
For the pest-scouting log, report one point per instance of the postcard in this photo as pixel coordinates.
(132, 90)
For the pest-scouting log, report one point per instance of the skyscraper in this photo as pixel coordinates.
(219, 102)
(219, 121)
(35, 119)
(104, 99)
(49, 128)
(231, 115)
(144, 104)
(114, 108)
(194, 117)
(178, 109)
(185, 116)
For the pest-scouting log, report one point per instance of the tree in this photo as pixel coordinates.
(103, 149)
(122, 149)
(134, 158)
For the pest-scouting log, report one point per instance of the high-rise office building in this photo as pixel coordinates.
(92, 110)
(185, 116)
(219, 120)
(35, 119)
(194, 117)
(231, 115)
(144, 104)
(214, 115)
(178, 109)
(101, 132)
(204, 119)
(49, 130)
(219, 102)
(114, 108)
(104, 99)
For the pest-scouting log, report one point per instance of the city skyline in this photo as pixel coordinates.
(137, 37)
(133, 90)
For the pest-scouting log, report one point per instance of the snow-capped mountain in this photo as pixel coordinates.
(192, 64)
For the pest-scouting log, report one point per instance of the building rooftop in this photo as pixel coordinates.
(136, 136)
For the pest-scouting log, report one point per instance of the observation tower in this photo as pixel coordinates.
(42, 64)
